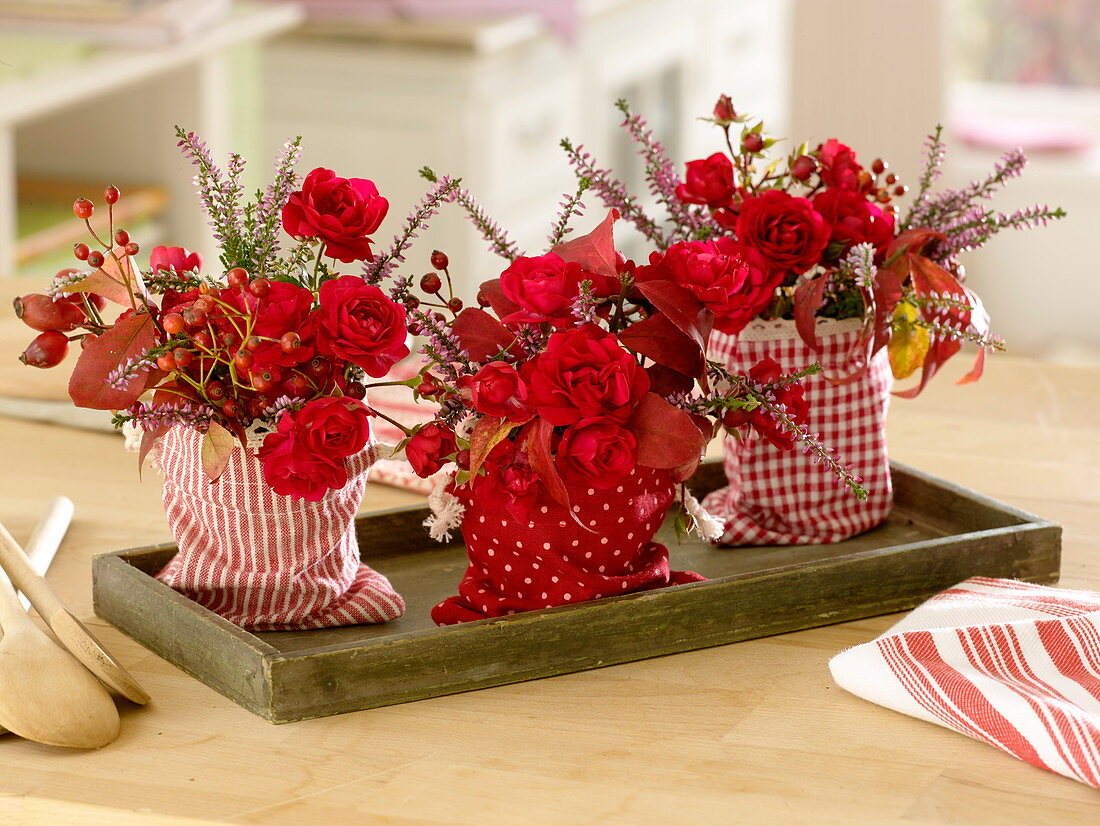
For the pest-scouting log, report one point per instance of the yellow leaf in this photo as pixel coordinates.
(908, 343)
(217, 447)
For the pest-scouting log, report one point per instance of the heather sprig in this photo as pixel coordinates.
(584, 305)
(123, 374)
(219, 194)
(660, 174)
(571, 207)
(160, 416)
(490, 230)
(943, 210)
(613, 192)
(933, 168)
(377, 270)
(270, 203)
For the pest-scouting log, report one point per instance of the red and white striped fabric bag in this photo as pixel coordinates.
(1009, 663)
(263, 561)
(777, 497)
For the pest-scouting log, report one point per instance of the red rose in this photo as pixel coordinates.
(332, 427)
(545, 287)
(357, 322)
(427, 449)
(293, 468)
(708, 181)
(854, 220)
(497, 390)
(596, 452)
(787, 231)
(583, 373)
(342, 212)
(730, 278)
(509, 471)
(178, 259)
(838, 165)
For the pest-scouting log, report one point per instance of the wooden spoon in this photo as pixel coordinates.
(71, 632)
(45, 694)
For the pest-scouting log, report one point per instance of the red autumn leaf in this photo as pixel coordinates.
(487, 434)
(808, 299)
(542, 462)
(707, 428)
(493, 293)
(975, 371)
(595, 251)
(661, 341)
(912, 241)
(88, 384)
(887, 293)
(480, 335)
(110, 281)
(148, 439)
(682, 308)
(667, 436)
(665, 381)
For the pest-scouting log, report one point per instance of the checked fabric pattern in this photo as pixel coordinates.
(551, 560)
(1008, 663)
(777, 497)
(263, 561)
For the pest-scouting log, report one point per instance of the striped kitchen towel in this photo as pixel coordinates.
(1009, 663)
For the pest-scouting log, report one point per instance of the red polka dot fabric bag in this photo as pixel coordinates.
(551, 559)
(264, 561)
(777, 497)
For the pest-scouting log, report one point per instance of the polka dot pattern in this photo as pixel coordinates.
(571, 564)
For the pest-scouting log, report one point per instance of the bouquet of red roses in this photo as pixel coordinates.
(273, 348)
(574, 402)
(822, 237)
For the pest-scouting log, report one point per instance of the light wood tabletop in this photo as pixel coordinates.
(754, 732)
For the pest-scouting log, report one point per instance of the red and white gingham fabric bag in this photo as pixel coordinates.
(1008, 663)
(263, 561)
(777, 497)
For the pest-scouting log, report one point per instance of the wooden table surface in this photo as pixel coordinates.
(754, 732)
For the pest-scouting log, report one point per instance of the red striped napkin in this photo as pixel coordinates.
(1011, 664)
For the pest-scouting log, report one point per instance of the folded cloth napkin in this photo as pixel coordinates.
(1009, 663)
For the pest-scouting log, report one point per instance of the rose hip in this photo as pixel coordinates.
(263, 381)
(47, 350)
(183, 357)
(111, 195)
(173, 323)
(318, 367)
(243, 360)
(122, 238)
(203, 339)
(81, 251)
(259, 287)
(355, 390)
(230, 408)
(95, 258)
(454, 305)
(290, 342)
(431, 283)
(215, 391)
(237, 277)
(439, 260)
(42, 313)
(132, 249)
(83, 208)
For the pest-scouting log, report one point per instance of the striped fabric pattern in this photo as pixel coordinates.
(263, 561)
(1008, 663)
(778, 497)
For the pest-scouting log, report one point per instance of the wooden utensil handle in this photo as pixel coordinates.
(12, 614)
(23, 576)
(46, 537)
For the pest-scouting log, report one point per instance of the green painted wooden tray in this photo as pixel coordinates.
(937, 535)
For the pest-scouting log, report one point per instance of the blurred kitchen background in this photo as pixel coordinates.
(485, 89)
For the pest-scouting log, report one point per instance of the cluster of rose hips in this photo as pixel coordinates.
(56, 316)
(212, 353)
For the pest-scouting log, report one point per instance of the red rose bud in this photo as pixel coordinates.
(41, 312)
(178, 259)
(359, 323)
(708, 182)
(427, 449)
(803, 167)
(753, 142)
(342, 212)
(47, 350)
(839, 167)
(724, 112)
(497, 390)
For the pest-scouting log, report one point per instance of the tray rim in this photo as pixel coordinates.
(253, 652)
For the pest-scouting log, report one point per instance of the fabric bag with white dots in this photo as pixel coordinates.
(777, 497)
(550, 560)
(264, 561)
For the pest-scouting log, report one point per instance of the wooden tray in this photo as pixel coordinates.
(938, 534)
